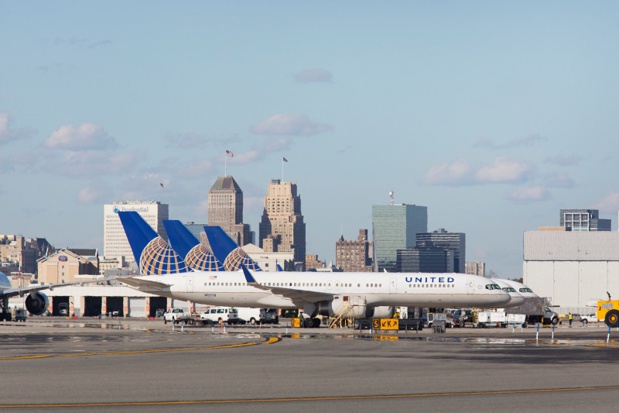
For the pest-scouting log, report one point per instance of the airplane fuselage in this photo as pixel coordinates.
(375, 289)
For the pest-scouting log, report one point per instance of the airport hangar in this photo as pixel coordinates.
(102, 300)
(574, 269)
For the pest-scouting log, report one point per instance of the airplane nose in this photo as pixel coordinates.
(515, 300)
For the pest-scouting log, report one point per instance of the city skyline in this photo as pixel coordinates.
(493, 116)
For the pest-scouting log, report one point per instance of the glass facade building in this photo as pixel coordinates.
(395, 227)
(583, 220)
(453, 241)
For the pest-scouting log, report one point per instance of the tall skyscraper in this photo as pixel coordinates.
(282, 228)
(225, 209)
(454, 241)
(583, 220)
(395, 227)
(115, 243)
(354, 255)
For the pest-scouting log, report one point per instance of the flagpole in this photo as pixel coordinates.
(225, 164)
(282, 170)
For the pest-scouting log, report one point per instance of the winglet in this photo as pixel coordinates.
(250, 279)
(279, 267)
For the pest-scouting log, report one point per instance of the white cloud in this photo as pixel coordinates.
(87, 136)
(503, 170)
(609, 204)
(7, 133)
(455, 173)
(314, 75)
(290, 124)
(529, 194)
(462, 173)
(90, 163)
(94, 193)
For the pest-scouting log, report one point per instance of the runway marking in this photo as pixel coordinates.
(305, 399)
(271, 340)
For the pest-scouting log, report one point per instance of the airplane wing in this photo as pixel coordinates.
(144, 284)
(14, 292)
(297, 295)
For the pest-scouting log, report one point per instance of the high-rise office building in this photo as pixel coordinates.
(395, 228)
(425, 259)
(115, 243)
(282, 228)
(354, 255)
(475, 268)
(583, 220)
(454, 241)
(225, 209)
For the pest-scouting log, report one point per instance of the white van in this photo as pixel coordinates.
(249, 315)
(257, 315)
(217, 314)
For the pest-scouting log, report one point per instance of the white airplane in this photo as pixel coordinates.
(525, 291)
(338, 293)
(356, 294)
(516, 298)
(36, 302)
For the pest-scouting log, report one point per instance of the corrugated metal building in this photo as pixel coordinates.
(572, 268)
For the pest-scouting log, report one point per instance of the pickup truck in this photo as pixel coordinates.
(176, 315)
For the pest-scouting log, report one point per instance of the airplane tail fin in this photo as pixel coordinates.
(196, 255)
(227, 251)
(138, 232)
(152, 253)
(180, 238)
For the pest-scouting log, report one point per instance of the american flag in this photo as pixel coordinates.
(229, 153)
(285, 160)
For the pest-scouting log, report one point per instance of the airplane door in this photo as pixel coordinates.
(393, 285)
(470, 287)
(189, 283)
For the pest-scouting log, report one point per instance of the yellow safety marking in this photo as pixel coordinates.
(271, 340)
(304, 399)
(385, 323)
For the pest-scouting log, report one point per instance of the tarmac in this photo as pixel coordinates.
(55, 364)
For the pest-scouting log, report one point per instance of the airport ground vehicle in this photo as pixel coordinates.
(228, 315)
(448, 318)
(63, 309)
(269, 316)
(256, 315)
(175, 315)
(490, 318)
(536, 310)
(608, 310)
(588, 318)
(21, 314)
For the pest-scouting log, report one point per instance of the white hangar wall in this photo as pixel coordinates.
(572, 268)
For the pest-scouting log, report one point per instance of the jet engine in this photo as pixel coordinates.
(380, 312)
(37, 303)
(348, 305)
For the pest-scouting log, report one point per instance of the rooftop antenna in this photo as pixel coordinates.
(391, 197)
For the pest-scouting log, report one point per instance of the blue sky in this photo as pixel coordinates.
(494, 115)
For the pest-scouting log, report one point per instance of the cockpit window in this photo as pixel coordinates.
(493, 287)
(526, 290)
(509, 289)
